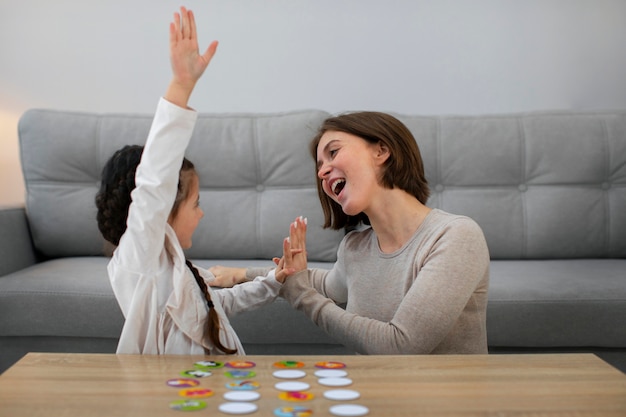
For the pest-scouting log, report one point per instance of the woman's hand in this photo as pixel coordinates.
(187, 63)
(294, 251)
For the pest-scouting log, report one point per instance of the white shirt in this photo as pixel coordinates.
(164, 308)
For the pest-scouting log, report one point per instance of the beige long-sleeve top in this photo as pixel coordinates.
(165, 311)
(430, 296)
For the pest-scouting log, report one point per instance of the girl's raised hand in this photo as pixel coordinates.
(187, 63)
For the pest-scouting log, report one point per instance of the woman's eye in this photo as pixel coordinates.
(332, 152)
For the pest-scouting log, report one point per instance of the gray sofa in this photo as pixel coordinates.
(548, 189)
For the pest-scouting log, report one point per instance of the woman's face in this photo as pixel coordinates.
(349, 168)
(188, 216)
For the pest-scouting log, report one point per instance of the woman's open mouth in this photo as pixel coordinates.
(338, 185)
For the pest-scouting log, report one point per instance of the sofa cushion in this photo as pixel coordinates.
(555, 303)
(62, 297)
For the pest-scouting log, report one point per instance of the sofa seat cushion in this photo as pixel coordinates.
(62, 297)
(551, 303)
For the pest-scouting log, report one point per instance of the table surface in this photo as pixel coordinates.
(53, 384)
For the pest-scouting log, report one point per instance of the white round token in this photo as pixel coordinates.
(289, 374)
(335, 382)
(242, 395)
(342, 394)
(349, 410)
(330, 373)
(292, 386)
(238, 408)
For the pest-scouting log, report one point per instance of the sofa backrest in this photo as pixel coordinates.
(541, 185)
(256, 176)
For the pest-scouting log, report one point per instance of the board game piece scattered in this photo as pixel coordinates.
(349, 410)
(238, 408)
(288, 364)
(342, 395)
(183, 383)
(296, 396)
(330, 365)
(289, 374)
(292, 386)
(240, 364)
(335, 382)
(236, 374)
(195, 392)
(295, 411)
(187, 405)
(330, 373)
(242, 396)
(197, 373)
(243, 385)
(207, 365)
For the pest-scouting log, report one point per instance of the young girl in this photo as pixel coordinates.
(148, 207)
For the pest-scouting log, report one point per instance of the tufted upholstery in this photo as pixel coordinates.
(256, 175)
(542, 186)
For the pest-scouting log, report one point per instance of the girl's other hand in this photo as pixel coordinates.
(227, 276)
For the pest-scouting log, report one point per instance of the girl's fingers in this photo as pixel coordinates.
(185, 24)
(192, 25)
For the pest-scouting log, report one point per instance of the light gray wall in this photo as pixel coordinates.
(408, 56)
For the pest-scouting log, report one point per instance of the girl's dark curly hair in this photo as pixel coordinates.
(113, 200)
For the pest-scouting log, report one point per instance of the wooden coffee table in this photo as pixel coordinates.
(51, 384)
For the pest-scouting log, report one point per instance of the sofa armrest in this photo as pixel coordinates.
(16, 246)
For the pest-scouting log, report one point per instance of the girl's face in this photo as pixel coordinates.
(349, 168)
(188, 216)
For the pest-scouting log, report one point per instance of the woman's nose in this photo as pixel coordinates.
(323, 171)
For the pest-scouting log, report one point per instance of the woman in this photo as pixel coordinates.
(414, 279)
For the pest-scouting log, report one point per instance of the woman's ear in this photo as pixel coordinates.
(381, 153)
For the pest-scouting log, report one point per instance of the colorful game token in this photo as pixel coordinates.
(295, 411)
(288, 364)
(330, 365)
(187, 405)
(183, 383)
(242, 395)
(289, 374)
(341, 394)
(240, 374)
(295, 396)
(330, 373)
(246, 385)
(195, 392)
(207, 365)
(349, 410)
(238, 408)
(196, 373)
(292, 386)
(335, 382)
(240, 364)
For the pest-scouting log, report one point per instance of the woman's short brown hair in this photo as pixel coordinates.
(404, 169)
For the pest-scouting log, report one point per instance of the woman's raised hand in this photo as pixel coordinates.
(294, 251)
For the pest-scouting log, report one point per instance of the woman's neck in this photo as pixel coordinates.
(396, 218)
